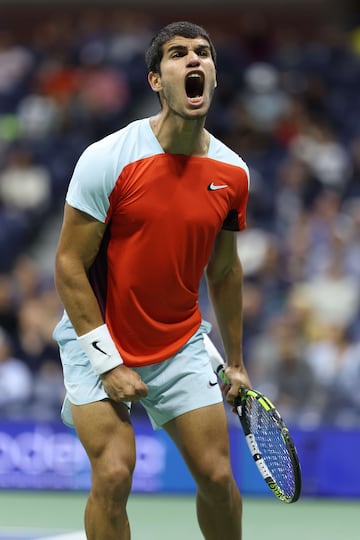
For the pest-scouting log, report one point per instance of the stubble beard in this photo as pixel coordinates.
(178, 111)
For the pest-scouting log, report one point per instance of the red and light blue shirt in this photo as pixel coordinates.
(163, 212)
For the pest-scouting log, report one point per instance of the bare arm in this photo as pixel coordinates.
(224, 279)
(79, 243)
(78, 246)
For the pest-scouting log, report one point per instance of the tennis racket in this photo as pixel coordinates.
(267, 436)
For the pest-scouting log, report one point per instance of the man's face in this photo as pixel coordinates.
(187, 77)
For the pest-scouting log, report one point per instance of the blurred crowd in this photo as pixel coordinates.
(288, 102)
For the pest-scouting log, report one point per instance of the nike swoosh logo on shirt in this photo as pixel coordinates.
(214, 187)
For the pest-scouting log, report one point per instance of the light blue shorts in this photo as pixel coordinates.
(178, 385)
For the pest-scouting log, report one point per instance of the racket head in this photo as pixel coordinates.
(270, 444)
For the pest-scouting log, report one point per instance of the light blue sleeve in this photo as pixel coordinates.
(92, 182)
(219, 151)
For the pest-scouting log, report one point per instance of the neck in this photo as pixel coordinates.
(180, 136)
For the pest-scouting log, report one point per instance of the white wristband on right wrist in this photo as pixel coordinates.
(100, 348)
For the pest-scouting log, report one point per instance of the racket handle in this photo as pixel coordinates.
(217, 361)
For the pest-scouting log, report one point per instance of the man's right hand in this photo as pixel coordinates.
(123, 384)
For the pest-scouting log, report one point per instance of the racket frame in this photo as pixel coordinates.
(250, 438)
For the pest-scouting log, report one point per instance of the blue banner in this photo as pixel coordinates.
(40, 455)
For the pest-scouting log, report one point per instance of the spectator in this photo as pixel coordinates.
(15, 381)
(262, 98)
(279, 370)
(24, 185)
(16, 64)
(335, 365)
(329, 299)
(48, 391)
(324, 155)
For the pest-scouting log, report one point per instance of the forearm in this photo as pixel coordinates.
(226, 298)
(83, 309)
(77, 296)
(78, 247)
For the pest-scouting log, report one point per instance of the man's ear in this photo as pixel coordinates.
(154, 80)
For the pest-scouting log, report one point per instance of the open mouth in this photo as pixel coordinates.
(194, 86)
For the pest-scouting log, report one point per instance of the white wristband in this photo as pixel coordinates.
(99, 347)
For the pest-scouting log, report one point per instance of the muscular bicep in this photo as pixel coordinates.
(224, 256)
(80, 238)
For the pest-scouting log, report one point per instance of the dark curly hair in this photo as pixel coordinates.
(184, 29)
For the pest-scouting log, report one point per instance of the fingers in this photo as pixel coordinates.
(231, 395)
(237, 379)
(230, 392)
(132, 391)
(123, 384)
(141, 391)
(125, 393)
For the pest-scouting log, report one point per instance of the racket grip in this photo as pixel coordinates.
(217, 361)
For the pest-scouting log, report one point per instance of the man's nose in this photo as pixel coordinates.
(193, 58)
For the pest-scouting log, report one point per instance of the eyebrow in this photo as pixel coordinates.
(200, 47)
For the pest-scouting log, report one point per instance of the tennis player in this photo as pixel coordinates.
(148, 210)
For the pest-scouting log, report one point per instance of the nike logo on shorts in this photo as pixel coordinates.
(211, 383)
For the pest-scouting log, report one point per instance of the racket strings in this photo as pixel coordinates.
(271, 443)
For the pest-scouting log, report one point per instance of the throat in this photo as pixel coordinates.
(183, 137)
